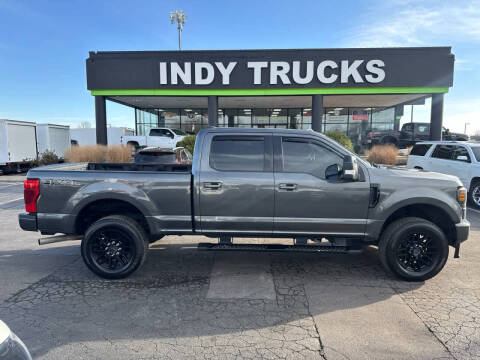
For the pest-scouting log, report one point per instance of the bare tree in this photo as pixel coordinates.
(85, 125)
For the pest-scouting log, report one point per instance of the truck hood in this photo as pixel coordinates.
(415, 175)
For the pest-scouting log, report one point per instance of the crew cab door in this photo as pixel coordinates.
(305, 201)
(161, 138)
(236, 183)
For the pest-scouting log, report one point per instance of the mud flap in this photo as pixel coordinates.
(457, 250)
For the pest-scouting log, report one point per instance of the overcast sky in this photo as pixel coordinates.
(44, 44)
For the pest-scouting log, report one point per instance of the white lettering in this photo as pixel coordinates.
(163, 73)
(177, 72)
(296, 73)
(351, 70)
(199, 79)
(257, 67)
(279, 69)
(373, 66)
(321, 72)
(225, 71)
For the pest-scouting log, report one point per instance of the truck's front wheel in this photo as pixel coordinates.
(413, 249)
(114, 247)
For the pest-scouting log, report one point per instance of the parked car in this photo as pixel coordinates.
(461, 159)
(251, 183)
(410, 134)
(11, 347)
(158, 137)
(178, 155)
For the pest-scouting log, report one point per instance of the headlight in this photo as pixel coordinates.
(462, 196)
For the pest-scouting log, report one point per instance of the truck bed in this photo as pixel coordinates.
(161, 192)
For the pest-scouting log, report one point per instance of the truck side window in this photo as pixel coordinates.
(230, 153)
(407, 127)
(161, 132)
(443, 152)
(423, 129)
(420, 149)
(307, 157)
(460, 151)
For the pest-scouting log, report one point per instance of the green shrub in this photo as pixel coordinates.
(341, 138)
(47, 158)
(188, 142)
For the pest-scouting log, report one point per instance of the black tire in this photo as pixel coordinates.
(114, 247)
(473, 193)
(414, 249)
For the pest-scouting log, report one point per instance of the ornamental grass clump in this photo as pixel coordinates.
(383, 154)
(98, 154)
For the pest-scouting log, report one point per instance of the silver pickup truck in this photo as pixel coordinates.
(252, 183)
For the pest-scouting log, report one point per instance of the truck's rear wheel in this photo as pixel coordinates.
(114, 247)
(413, 249)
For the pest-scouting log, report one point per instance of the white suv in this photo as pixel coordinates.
(461, 159)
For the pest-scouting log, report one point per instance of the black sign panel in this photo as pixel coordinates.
(267, 69)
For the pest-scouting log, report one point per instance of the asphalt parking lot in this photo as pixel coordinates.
(186, 304)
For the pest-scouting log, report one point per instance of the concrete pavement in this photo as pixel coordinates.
(187, 304)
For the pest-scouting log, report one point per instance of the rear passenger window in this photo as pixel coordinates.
(237, 153)
(443, 152)
(420, 149)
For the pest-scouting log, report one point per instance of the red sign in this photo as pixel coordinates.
(359, 115)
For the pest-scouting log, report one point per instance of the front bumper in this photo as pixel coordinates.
(28, 221)
(462, 229)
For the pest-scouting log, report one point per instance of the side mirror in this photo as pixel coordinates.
(350, 168)
(462, 158)
(331, 171)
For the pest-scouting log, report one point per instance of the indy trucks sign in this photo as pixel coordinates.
(274, 72)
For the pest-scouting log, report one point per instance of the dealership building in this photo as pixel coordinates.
(349, 90)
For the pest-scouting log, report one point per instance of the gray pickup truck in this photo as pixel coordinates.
(252, 183)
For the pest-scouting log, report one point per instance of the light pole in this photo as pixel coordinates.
(178, 17)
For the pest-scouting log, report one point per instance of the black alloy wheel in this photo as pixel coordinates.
(114, 247)
(111, 249)
(417, 252)
(413, 248)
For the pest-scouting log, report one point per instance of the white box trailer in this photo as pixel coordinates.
(89, 136)
(53, 137)
(18, 145)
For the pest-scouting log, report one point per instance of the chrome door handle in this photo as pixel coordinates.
(288, 187)
(212, 185)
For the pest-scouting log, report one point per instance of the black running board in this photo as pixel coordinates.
(278, 247)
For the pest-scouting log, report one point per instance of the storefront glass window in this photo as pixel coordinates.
(306, 119)
(294, 118)
(358, 124)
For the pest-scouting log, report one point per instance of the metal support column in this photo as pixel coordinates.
(101, 119)
(398, 113)
(317, 112)
(436, 117)
(213, 111)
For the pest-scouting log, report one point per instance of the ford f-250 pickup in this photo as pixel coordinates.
(252, 183)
